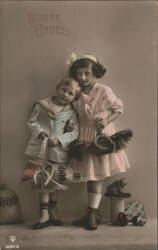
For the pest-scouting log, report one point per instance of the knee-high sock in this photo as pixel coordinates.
(44, 215)
(94, 199)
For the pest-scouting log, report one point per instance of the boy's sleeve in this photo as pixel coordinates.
(69, 137)
(34, 122)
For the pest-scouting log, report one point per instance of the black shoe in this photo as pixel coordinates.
(83, 220)
(41, 225)
(91, 220)
(56, 222)
(80, 222)
(53, 213)
(91, 225)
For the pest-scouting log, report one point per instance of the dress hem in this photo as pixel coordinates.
(100, 178)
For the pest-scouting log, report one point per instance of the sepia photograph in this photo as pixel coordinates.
(78, 125)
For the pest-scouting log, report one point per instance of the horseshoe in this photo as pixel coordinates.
(41, 171)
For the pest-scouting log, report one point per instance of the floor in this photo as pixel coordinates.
(67, 237)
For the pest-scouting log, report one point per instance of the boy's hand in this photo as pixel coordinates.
(53, 142)
(42, 136)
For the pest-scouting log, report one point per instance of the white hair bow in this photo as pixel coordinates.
(73, 58)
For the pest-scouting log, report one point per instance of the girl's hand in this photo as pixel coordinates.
(53, 142)
(42, 136)
(99, 123)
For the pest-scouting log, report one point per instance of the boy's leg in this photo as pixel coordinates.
(53, 210)
(44, 215)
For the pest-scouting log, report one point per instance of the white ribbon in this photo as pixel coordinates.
(74, 57)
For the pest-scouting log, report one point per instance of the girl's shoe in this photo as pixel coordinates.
(54, 219)
(91, 223)
(83, 220)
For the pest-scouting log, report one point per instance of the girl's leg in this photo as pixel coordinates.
(92, 218)
(44, 215)
(55, 220)
(94, 189)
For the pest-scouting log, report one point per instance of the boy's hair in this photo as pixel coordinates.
(69, 81)
(97, 68)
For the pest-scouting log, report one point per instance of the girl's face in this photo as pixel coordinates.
(85, 76)
(66, 94)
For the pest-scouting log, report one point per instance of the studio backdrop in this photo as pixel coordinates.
(36, 39)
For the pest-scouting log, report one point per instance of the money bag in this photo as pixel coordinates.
(10, 212)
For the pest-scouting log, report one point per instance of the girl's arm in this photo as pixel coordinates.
(115, 107)
(112, 117)
(100, 123)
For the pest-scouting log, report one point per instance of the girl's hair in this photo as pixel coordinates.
(97, 68)
(69, 81)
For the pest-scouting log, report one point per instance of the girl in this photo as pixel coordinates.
(52, 123)
(97, 106)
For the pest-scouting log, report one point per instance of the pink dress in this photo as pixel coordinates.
(100, 102)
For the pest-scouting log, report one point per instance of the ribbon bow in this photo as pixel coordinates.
(73, 58)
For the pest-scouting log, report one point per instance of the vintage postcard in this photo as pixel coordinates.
(78, 125)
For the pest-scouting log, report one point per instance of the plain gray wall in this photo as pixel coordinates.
(36, 39)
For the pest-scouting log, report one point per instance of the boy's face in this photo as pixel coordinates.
(66, 93)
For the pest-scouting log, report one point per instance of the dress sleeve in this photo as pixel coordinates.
(113, 102)
(34, 123)
(69, 137)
